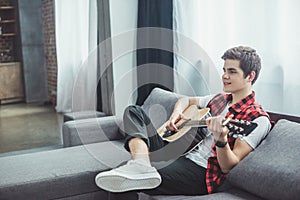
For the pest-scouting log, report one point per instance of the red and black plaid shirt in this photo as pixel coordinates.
(245, 109)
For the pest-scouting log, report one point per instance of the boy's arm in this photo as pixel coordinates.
(228, 158)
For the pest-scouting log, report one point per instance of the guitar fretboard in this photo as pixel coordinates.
(193, 123)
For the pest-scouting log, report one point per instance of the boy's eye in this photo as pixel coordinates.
(230, 70)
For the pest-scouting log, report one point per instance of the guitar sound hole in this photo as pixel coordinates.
(168, 133)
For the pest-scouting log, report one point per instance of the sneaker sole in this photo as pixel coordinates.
(115, 183)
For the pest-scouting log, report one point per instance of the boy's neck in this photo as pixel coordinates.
(236, 97)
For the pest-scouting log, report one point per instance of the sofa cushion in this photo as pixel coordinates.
(272, 170)
(60, 173)
(159, 105)
(232, 194)
(83, 115)
(92, 130)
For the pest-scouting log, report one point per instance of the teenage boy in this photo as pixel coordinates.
(200, 171)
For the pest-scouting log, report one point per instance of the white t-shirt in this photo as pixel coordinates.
(203, 151)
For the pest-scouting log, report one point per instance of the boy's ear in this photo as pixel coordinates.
(251, 76)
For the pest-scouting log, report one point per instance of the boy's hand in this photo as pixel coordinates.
(175, 117)
(217, 126)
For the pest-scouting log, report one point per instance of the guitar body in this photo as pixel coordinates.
(187, 137)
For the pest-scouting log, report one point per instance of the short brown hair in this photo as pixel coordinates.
(249, 59)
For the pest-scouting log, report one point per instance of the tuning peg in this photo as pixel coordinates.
(241, 137)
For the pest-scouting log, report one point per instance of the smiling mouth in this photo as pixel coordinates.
(224, 83)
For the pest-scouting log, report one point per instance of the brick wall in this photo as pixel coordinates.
(50, 47)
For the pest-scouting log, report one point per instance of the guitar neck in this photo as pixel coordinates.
(199, 123)
(194, 123)
(237, 128)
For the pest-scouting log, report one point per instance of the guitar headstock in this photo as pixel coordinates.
(240, 128)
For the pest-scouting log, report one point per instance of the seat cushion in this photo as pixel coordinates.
(232, 194)
(272, 170)
(58, 173)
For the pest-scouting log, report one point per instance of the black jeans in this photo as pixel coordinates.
(180, 175)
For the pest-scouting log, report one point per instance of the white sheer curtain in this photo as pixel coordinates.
(270, 26)
(76, 39)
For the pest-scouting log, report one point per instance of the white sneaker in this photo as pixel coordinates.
(135, 175)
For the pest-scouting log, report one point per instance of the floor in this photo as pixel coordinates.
(29, 127)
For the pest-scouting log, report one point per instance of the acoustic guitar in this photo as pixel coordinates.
(190, 130)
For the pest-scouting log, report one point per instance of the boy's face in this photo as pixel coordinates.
(233, 77)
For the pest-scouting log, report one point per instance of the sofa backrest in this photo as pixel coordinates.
(277, 116)
(159, 105)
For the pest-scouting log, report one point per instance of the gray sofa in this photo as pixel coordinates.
(94, 145)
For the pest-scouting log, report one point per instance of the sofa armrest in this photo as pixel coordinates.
(92, 130)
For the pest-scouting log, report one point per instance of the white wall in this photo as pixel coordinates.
(269, 26)
(123, 26)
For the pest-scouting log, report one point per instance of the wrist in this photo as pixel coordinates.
(221, 138)
(175, 114)
(221, 142)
